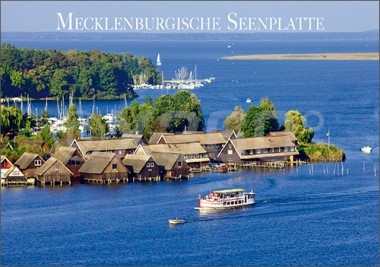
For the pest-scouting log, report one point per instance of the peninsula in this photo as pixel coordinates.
(320, 56)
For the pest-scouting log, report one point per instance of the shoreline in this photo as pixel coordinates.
(319, 56)
(19, 99)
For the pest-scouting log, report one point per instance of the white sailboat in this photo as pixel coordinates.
(158, 60)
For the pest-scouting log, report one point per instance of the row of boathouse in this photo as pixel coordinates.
(164, 156)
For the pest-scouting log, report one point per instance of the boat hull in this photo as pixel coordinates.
(227, 199)
(208, 209)
(175, 222)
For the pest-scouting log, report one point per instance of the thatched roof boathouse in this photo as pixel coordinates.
(104, 167)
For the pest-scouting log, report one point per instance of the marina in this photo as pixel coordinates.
(182, 80)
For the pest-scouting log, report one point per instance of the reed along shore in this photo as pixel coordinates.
(321, 56)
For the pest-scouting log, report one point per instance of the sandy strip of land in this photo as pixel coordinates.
(323, 56)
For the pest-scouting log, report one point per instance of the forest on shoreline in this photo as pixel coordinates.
(80, 74)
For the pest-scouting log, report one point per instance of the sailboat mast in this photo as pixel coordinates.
(125, 101)
(58, 111)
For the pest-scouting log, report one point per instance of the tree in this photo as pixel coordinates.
(260, 120)
(28, 129)
(17, 79)
(124, 119)
(72, 123)
(168, 113)
(235, 120)
(10, 119)
(145, 120)
(59, 83)
(98, 126)
(46, 135)
(188, 113)
(44, 117)
(294, 122)
(148, 100)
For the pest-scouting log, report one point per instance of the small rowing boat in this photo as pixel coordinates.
(176, 221)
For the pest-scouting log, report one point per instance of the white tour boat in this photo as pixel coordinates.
(366, 149)
(224, 199)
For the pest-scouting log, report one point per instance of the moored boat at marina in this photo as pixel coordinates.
(224, 199)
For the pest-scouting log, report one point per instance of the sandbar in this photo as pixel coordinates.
(322, 56)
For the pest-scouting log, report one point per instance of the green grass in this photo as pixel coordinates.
(321, 152)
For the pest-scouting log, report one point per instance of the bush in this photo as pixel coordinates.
(321, 152)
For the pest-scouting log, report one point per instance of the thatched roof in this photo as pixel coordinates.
(186, 149)
(284, 133)
(135, 163)
(48, 164)
(106, 145)
(167, 160)
(262, 142)
(64, 154)
(226, 134)
(156, 136)
(160, 148)
(202, 138)
(31, 143)
(137, 138)
(97, 162)
(191, 148)
(24, 161)
(60, 142)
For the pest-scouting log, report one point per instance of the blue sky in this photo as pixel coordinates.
(340, 16)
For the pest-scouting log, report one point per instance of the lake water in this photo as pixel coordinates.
(321, 215)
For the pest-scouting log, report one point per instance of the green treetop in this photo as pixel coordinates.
(72, 123)
(10, 119)
(294, 122)
(168, 113)
(234, 121)
(260, 120)
(98, 126)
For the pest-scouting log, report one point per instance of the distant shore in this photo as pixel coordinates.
(321, 56)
